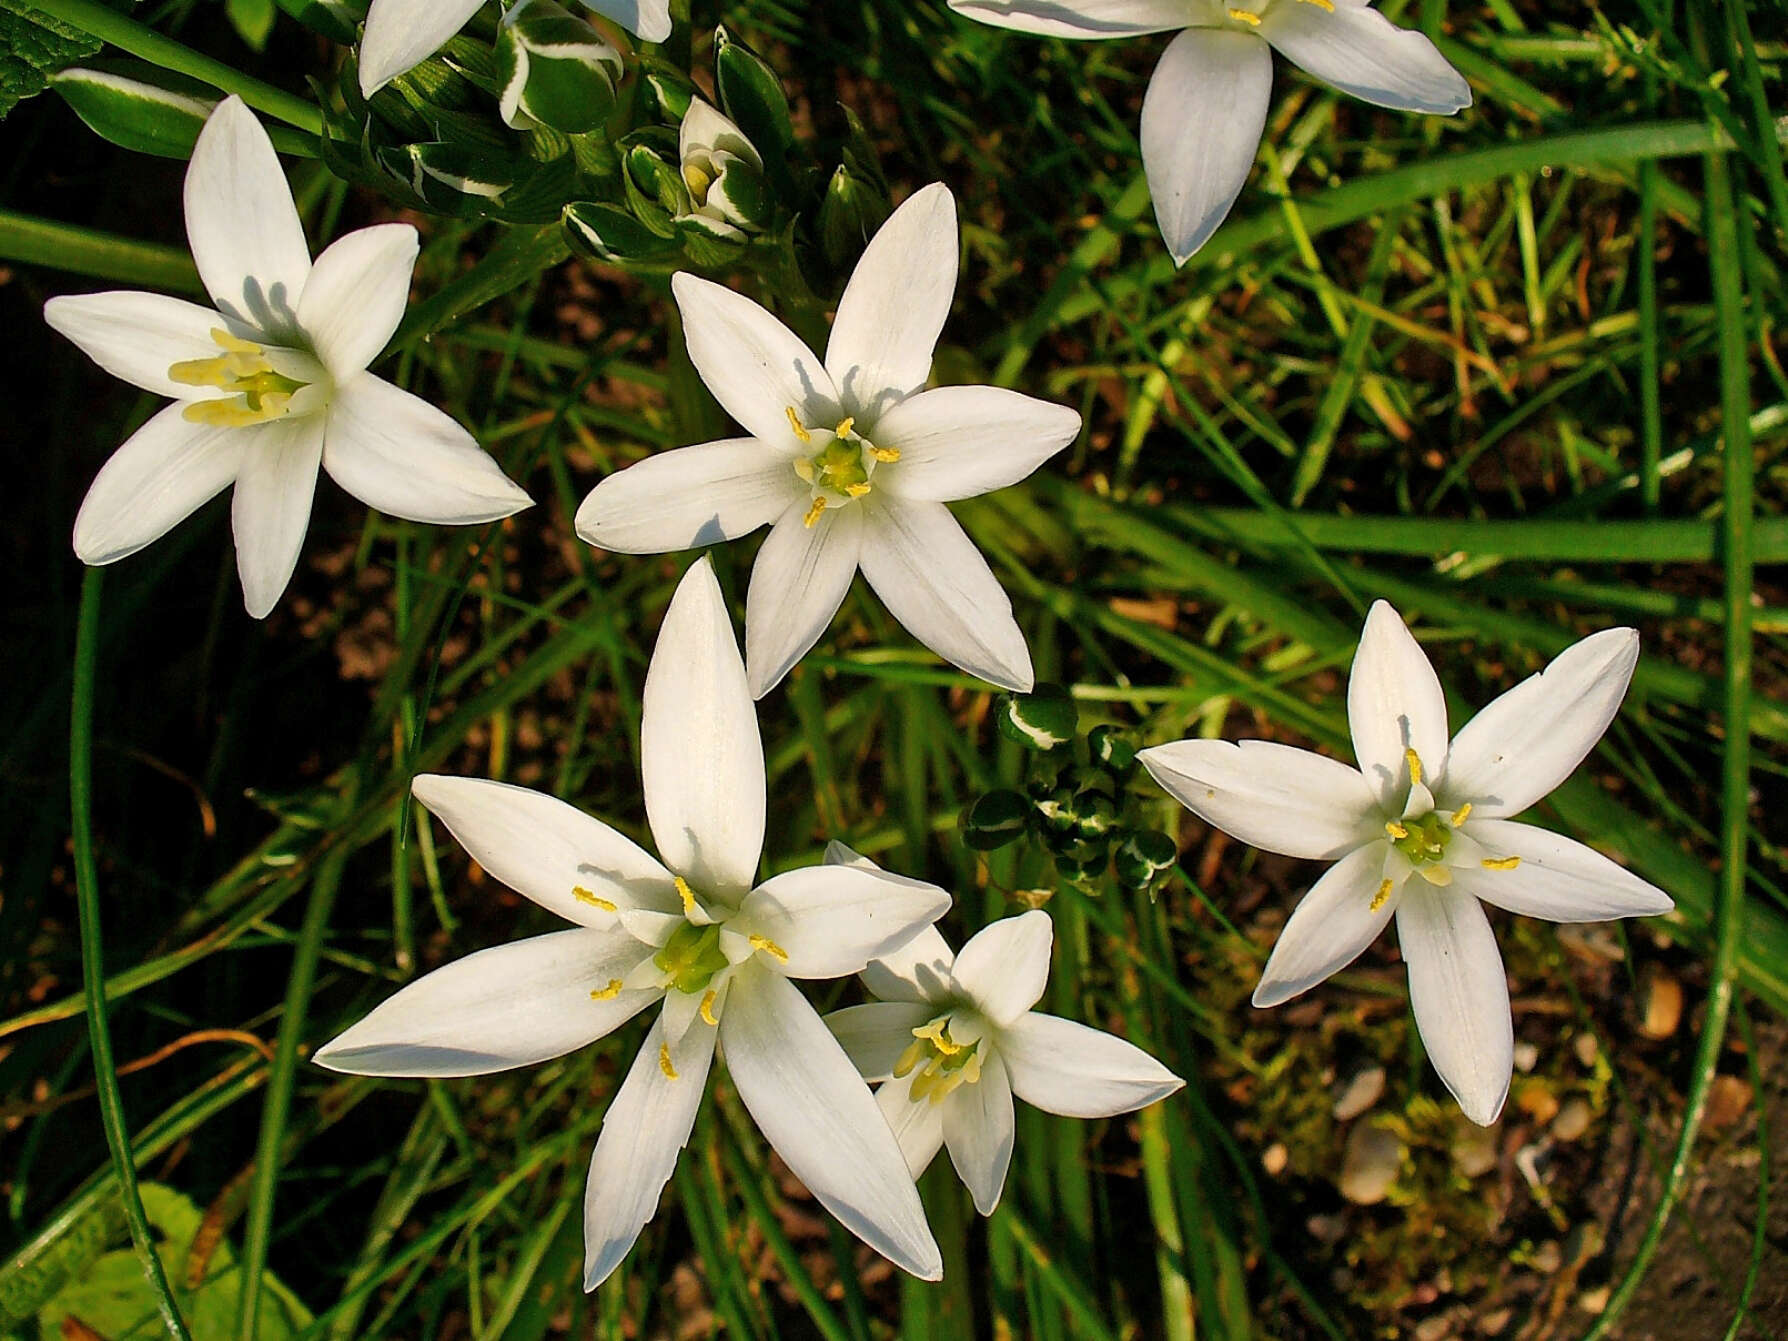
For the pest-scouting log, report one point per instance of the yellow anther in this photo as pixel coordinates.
(938, 1034)
(1384, 892)
(231, 412)
(794, 422)
(686, 894)
(260, 392)
(1395, 830)
(664, 1062)
(813, 512)
(915, 1052)
(708, 1007)
(1415, 765)
(608, 993)
(1243, 16)
(1501, 863)
(856, 490)
(1326, 6)
(1460, 814)
(886, 455)
(844, 427)
(769, 947)
(698, 182)
(589, 896)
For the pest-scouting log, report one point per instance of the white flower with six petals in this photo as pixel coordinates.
(1206, 104)
(272, 384)
(695, 931)
(1421, 830)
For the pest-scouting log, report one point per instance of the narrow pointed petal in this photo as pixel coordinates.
(356, 295)
(1459, 994)
(163, 473)
(1559, 879)
(701, 759)
(1076, 1071)
(830, 921)
(1395, 704)
(1270, 796)
(756, 367)
(270, 510)
(1078, 18)
(548, 850)
(811, 1105)
(511, 1005)
(689, 497)
(1360, 51)
(894, 307)
(1331, 926)
(978, 1130)
(1201, 124)
(648, 20)
(935, 582)
(964, 441)
(918, 1127)
(1533, 737)
(873, 1036)
(241, 223)
(139, 336)
(1005, 966)
(399, 454)
(401, 34)
(643, 1132)
(797, 584)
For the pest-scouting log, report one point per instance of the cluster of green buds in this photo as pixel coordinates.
(1077, 802)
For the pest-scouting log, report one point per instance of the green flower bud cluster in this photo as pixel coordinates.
(1078, 805)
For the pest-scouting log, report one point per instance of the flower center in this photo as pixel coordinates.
(1252, 12)
(691, 957)
(261, 394)
(941, 1061)
(840, 471)
(699, 176)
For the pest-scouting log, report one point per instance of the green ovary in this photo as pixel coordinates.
(1423, 840)
(692, 956)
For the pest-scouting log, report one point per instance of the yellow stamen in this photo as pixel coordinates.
(769, 947)
(909, 1059)
(1326, 6)
(937, 1032)
(856, 490)
(844, 428)
(794, 422)
(1395, 830)
(813, 513)
(664, 1062)
(687, 895)
(708, 1007)
(1501, 863)
(608, 993)
(1243, 16)
(588, 896)
(886, 455)
(260, 392)
(1384, 892)
(1415, 765)
(1460, 814)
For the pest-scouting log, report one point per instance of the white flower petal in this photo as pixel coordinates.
(1395, 704)
(811, 1105)
(830, 921)
(1533, 737)
(138, 336)
(963, 441)
(397, 453)
(547, 849)
(511, 1005)
(643, 1132)
(1202, 119)
(978, 1129)
(648, 20)
(873, 1036)
(701, 758)
(918, 1126)
(798, 582)
(401, 34)
(689, 497)
(894, 307)
(917, 970)
(242, 225)
(356, 295)
(164, 472)
(935, 582)
(1332, 924)
(1459, 994)
(1269, 795)
(756, 367)
(270, 510)
(1076, 1071)
(1005, 966)
(1079, 18)
(706, 129)
(1559, 879)
(1360, 51)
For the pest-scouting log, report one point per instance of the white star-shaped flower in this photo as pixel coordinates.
(695, 931)
(1206, 105)
(272, 384)
(1421, 830)
(850, 461)
(952, 1037)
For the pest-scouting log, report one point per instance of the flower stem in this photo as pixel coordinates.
(93, 976)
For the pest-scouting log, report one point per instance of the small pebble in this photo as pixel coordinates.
(1527, 1056)
(1727, 1101)
(1586, 1048)
(1594, 1301)
(1275, 1158)
(1433, 1329)
(1364, 1089)
(1572, 1121)
(1474, 1150)
(1663, 1005)
(1547, 1258)
(1370, 1165)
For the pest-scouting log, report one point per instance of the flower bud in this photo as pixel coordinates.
(752, 96)
(1040, 720)
(996, 819)
(608, 234)
(1143, 857)
(722, 173)
(556, 70)
(853, 209)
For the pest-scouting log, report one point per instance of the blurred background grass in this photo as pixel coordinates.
(1517, 371)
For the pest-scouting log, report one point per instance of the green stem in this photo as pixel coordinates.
(108, 25)
(93, 975)
(87, 251)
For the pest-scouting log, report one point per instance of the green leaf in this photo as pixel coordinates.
(32, 47)
(133, 104)
(252, 20)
